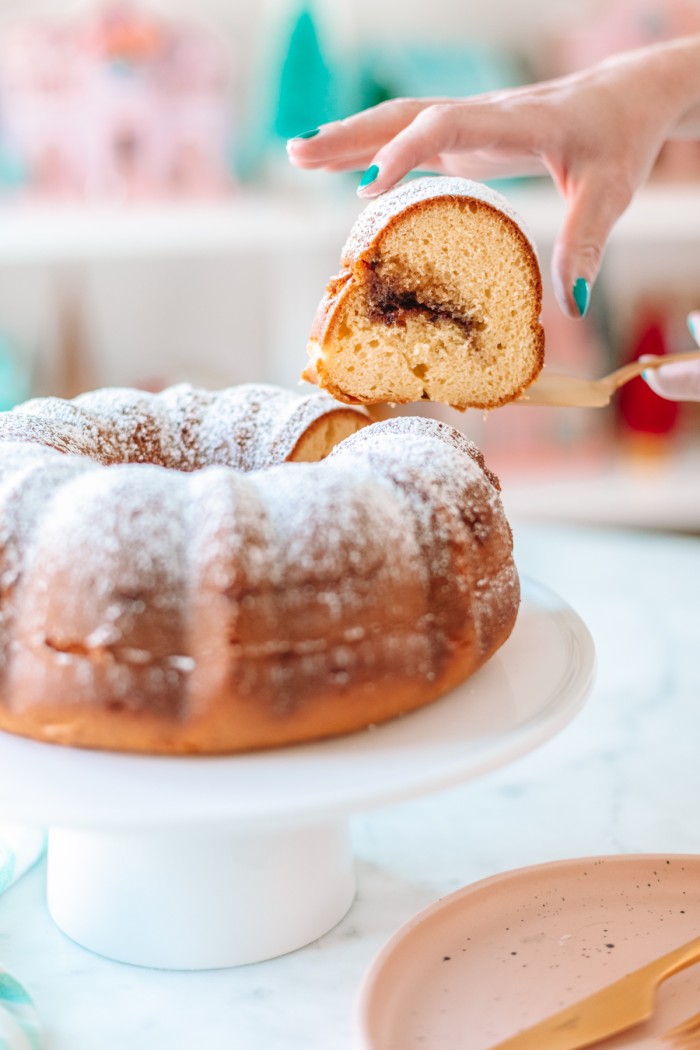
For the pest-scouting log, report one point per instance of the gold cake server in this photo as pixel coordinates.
(551, 388)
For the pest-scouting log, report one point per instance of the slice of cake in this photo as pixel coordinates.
(438, 299)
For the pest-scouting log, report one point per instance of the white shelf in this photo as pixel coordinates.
(44, 233)
(660, 214)
(51, 233)
(627, 493)
(298, 235)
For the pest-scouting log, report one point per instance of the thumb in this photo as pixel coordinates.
(679, 382)
(592, 212)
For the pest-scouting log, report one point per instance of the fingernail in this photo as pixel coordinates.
(369, 176)
(308, 134)
(582, 295)
(693, 327)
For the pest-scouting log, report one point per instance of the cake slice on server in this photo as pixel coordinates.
(438, 299)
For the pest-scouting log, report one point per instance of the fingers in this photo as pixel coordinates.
(433, 131)
(481, 139)
(594, 207)
(679, 382)
(453, 134)
(352, 143)
(470, 137)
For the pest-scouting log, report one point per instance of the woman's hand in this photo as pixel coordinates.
(680, 382)
(597, 133)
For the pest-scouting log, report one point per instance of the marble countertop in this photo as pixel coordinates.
(623, 777)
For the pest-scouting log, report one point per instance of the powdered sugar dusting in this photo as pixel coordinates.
(454, 503)
(247, 427)
(28, 477)
(382, 209)
(60, 425)
(220, 559)
(256, 425)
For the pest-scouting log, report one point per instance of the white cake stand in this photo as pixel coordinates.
(196, 863)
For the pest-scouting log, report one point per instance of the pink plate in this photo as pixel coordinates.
(503, 953)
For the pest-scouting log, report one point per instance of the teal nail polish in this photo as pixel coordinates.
(370, 175)
(308, 134)
(582, 295)
(693, 328)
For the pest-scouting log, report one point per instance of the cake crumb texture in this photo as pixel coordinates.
(438, 299)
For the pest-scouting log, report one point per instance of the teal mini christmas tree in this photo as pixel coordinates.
(305, 77)
(306, 88)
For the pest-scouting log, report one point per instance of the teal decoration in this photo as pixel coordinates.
(442, 70)
(19, 1022)
(305, 97)
(13, 173)
(14, 376)
(8, 866)
(445, 70)
(11, 991)
(298, 83)
(20, 1025)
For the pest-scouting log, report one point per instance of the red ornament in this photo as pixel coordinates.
(639, 408)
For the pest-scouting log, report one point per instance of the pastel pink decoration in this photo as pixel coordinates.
(611, 26)
(120, 104)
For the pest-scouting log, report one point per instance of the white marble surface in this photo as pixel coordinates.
(623, 777)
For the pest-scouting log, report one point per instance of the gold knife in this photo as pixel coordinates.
(615, 1008)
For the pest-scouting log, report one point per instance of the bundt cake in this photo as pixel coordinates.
(438, 299)
(173, 580)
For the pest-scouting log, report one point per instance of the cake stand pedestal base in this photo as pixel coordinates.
(199, 899)
(199, 862)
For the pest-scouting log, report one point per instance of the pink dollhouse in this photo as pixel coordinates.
(119, 104)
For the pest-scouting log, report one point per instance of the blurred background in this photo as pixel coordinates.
(152, 231)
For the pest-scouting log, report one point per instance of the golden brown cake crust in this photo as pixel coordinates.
(169, 585)
(335, 321)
